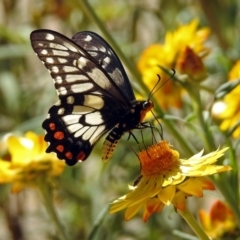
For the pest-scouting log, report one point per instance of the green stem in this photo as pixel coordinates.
(99, 220)
(188, 217)
(197, 104)
(204, 124)
(47, 198)
(235, 169)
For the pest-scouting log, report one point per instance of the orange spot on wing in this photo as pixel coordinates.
(81, 156)
(52, 126)
(59, 135)
(60, 148)
(68, 155)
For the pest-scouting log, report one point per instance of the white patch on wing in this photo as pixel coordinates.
(92, 48)
(49, 37)
(82, 62)
(93, 101)
(57, 46)
(44, 52)
(96, 93)
(81, 87)
(78, 109)
(75, 77)
(62, 91)
(74, 127)
(58, 80)
(102, 49)
(93, 54)
(70, 47)
(49, 60)
(89, 133)
(107, 59)
(70, 99)
(62, 60)
(96, 134)
(60, 53)
(55, 69)
(117, 75)
(81, 132)
(99, 78)
(70, 69)
(71, 119)
(88, 38)
(94, 118)
(61, 111)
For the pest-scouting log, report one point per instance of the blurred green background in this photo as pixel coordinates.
(26, 92)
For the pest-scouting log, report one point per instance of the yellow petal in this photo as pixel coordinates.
(118, 205)
(167, 194)
(131, 211)
(179, 200)
(152, 205)
(195, 186)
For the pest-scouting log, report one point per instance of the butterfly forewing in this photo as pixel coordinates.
(102, 52)
(71, 67)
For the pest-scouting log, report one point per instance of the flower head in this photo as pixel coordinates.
(228, 110)
(166, 179)
(219, 221)
(182, 50)
(28, 162)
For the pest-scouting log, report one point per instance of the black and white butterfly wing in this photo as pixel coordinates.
(90, 101)
(102, 52)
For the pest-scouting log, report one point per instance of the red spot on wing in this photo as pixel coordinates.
(68, 155)
(81, 156)
(59, 135)
(52, 126)
(60, 148)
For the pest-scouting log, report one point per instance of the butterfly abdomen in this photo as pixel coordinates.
(111, 142)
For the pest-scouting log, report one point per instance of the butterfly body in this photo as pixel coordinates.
(95, 95)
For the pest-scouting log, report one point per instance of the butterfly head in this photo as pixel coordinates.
(146, 107)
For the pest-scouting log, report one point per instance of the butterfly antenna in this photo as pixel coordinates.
(160, 125)
(154, 140)
(155, 88)
(143, 142)
(134, 151)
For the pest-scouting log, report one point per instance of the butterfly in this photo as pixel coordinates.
(95, 95)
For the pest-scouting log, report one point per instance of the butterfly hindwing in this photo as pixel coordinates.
(74, 126)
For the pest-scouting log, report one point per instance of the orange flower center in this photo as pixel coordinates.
(158, 159)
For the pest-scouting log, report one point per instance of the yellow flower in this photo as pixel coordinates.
(180, 48)
(228, 110)
(191, 64)
(28, 162)
(166, 179)
(219, 222)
